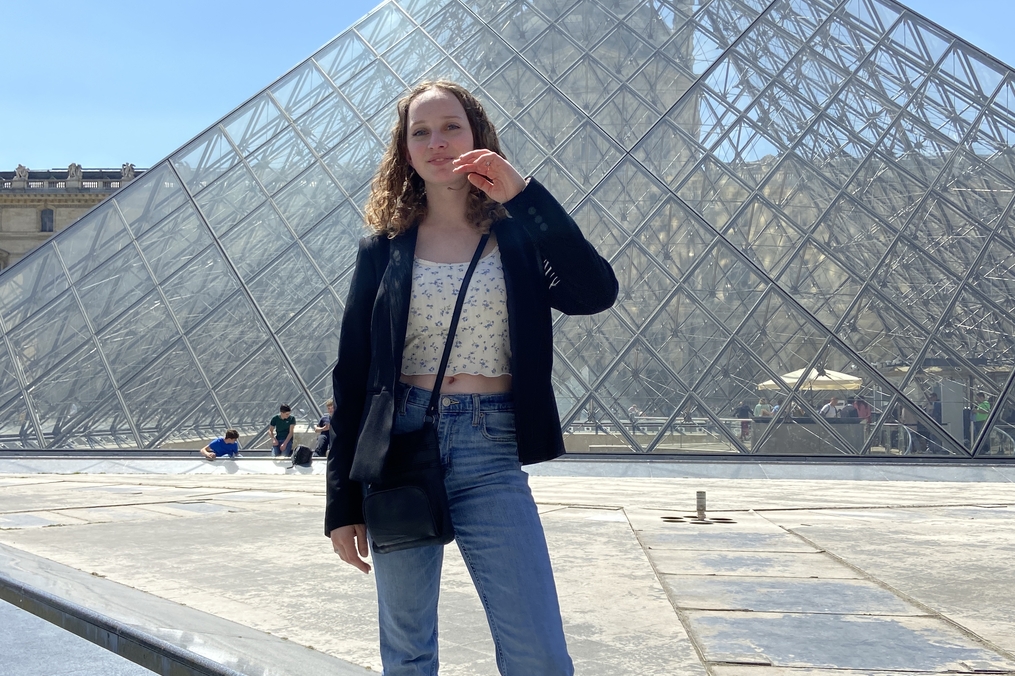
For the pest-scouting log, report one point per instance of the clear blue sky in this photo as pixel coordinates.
(106, 83)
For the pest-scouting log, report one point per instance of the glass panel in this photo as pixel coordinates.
(346, 55)
(643, 285)
(288, 285)
(47, 338)
(599, 228)
(668, 153)
(276, 163)
(763, 235)
(411, 57)
(257, 241)
(328, 123)
(95, 238)
(9, 385)
(675, 237)
(515, 87)
(519, 147)
(300, 91)
(384, 26)
(919, 41)
(686, 338)
(17, 431)
(660, 83)
(917, 283)
(971, 185)
(204, 160)
(553, 53)
(354, 161)
(114, 287)
(854, 236)
(374, 89)
(588, 84)
(137, 337)
(843, 42)
(879, 332)
(725, 285)
(230, 199)
(1000, 439)
(832, 150)
(252, 395)
(983, 333)
(236, 319)
(305, 201)
(799, 191)
(622, 52)
(311, 341)
(550, 119)
(199, 286)
(29, 285)
(886, 190)
(519, 24)
(174, 242)
(149, 198)
(591, 343)
(482, 55)
(75, 404)
(953, 239)
(872, 14)
(421, 10)
(333, 243)
(713, 193)
(587, 23)
(589, 155)
(165, 393)
(993, 142)
(641, 388)
(552, 8)
(452, 26)
(891, 75)
(820, 284)
(657, 20)
(630, 193)
(201, 423)
(255, 123)
(995, 276)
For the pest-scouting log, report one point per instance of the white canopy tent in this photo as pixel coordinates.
(825, 380)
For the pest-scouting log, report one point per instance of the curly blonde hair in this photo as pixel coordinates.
(397, 194)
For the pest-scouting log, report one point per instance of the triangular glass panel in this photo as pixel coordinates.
(230, 199)
(204, 160)
(279, 161)
(9, 384)
(812, 78)
(966, 69)
(735, 80)
(588, 84)
(873, 15)
(353, 162)
(832, 150)
(411, 57)
(737, 378)
(999, 438)
(982, 332)
(693, 49)
(587, 23)
(643, 284)
(247, 332)
(286, 286)
(137, 337)
(799, 191)
(951, 237)
(747, 152)
(714, 193)
(589, 155)
(374, 89)
(993, 142)
(994, 277)
(630, 193)
(30, 285)
(819, 283)
(332, 243)
(782, 336)
(247, 244)
(254, 123)
(17, 429)
(600, 228)
(84, 249)
(888, 191)
(452, 26)
(556, 180)
(668, 153)
(686, 337)
(149, 198)
(203, 421)
(843, 42)
(726, 285)
(383, 27)
(658, 20)
(626, 117)
(174, 242)
(768, 46)
(971, 185)
(344, 57)
(327, 123)
(591, 343)
(307, 199)
(892, 76)
(263, 378)
(199, 286)
(552, 53)
(763, 235)
(675, 237)
(854, 236)
(114, 287)
(918, 41)
(311, 349)
(660, 82)
(519, 24)
(568, 388)
(945, 109)
(860, 110)
(916, 282)
(881, 332)
(507, 77)
(797, 429)
(551, 118)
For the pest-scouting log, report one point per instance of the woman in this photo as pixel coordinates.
(441, 185)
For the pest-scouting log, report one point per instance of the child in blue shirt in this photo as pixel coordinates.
(227, 445)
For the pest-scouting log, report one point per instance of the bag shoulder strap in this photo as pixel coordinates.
(431, 411)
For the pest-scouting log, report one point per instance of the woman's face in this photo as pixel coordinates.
(438, 131)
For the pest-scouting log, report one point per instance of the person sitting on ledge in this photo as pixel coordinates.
(227, 445)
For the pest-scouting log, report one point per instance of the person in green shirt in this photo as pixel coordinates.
(281, 430)
(981, 410)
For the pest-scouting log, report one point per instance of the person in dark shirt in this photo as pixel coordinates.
(224, 445)
(281, 429)
(743, 411)
(323, 429)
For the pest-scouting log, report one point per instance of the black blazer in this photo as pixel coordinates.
(547, 264)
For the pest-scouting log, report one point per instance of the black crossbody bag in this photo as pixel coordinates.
(408, 507)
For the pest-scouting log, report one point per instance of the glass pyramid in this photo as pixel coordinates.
(783, 186)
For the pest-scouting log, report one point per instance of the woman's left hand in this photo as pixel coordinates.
(491, 173)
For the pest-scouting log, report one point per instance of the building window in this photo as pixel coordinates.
(47, 220)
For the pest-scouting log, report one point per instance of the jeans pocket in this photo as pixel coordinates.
(499, 425)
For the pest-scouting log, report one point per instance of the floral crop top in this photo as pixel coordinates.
(482, 345)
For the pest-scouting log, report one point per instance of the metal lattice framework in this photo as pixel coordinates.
(780, 185)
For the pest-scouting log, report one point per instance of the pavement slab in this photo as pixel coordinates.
(841, 642)
(748, 563)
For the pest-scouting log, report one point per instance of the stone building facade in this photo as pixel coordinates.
(34, 205)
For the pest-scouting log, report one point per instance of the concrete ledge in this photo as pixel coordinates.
(160, 635)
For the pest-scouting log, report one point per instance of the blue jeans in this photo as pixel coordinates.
(283, 448)
(499, 534)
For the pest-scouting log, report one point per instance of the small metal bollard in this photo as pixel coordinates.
(701, 505)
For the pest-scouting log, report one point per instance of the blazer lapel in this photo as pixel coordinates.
(396, 285)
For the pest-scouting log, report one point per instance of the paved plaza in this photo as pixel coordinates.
(806, 569)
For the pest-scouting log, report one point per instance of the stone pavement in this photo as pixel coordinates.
(894, 569)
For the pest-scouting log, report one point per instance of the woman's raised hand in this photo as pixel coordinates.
(491, 173)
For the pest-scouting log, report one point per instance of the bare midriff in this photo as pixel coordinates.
(462, 383)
